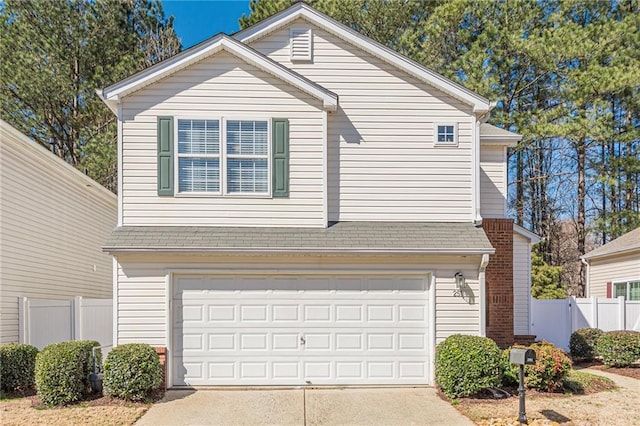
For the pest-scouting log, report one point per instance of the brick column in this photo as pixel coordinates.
(162, 354)
(499, 281)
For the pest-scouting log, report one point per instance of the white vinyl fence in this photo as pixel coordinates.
(45, 321)
(555, 320)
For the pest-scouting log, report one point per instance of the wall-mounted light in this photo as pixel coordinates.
(460, 283)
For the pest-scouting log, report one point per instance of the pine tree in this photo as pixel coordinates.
(56, 54)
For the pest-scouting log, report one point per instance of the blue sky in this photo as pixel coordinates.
(197, 20)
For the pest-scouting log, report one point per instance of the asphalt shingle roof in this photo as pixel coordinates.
(438, 237)
(626, 242)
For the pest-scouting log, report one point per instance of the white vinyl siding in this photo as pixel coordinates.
(493, 181)
(615, 268)
(54, 222)
(142, 281)
(221, 86)
(383, 163)
(521, 283)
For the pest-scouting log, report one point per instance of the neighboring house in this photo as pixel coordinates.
(613, 269)
(54, 221)
(300, 204)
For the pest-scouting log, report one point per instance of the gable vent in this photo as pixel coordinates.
(301, 44)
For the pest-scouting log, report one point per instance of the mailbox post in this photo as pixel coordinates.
(522, 357)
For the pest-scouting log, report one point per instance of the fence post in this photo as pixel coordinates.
(76, 333)
(573, 311)
(622, 320)
(594, 312)
(23, 320)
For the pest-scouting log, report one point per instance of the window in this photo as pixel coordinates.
(242, 167)
(199, 156)
(446, 134)
(247, 157)
(630, 290)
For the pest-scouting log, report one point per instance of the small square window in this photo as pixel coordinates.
(446, 134)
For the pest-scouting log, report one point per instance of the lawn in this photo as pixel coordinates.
(587, 399)
(104, 411)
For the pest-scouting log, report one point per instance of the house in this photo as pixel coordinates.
(54, 222)
(613, 269)
(300, 204)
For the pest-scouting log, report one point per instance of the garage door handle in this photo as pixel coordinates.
(302, 341)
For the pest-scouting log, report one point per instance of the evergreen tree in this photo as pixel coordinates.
(56, 54)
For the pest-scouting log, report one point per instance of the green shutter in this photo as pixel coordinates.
(165, 156)
(280, 149)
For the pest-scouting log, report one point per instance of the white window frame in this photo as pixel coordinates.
(627, 288)
(455, 134)
(222, 156)
(178, 155)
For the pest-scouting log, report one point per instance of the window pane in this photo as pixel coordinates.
(445, 133)
(247, 175)
(620, 289)
(247, 137)
(199, 137)
(198, 174)
(634, 290)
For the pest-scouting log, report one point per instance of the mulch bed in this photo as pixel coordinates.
(98, 400)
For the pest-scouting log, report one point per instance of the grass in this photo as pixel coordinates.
(580, 383)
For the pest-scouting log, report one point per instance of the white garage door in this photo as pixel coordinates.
(294, 330)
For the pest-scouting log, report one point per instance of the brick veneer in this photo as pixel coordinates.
(499, 281)
(162, 354)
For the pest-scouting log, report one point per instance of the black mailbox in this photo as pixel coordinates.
(522, 356)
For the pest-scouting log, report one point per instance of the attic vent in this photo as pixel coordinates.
(301, 44)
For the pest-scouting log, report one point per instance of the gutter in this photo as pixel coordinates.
(297, 250)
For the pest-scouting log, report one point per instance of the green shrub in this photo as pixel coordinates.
(467, 364)
(17, 367)
(62, 371)
(132, 371)
(619, 348)
(582, 344)
(547, 374)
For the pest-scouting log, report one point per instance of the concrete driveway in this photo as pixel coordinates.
(380, 406)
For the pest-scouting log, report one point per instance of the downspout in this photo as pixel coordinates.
(587, 288)
(483, 292)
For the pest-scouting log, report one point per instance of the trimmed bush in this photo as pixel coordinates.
(132, 371)
(582, 344)
(547, 375)
(619, 348)
(62, 371)
(467, 364)
(17, 367)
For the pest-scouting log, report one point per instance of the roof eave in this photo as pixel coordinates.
(534, 238)
(298, 250)
(479, 104)
(590, 256)
(112, 94)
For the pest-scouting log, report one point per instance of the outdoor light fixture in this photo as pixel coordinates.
(460, 283)
(459, 280)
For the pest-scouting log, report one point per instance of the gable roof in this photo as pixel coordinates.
(492, 135)
(627, 242)
(112, 94)
(302, 10)
(342, 237)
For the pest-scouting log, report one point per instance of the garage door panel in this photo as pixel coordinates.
(294, 330)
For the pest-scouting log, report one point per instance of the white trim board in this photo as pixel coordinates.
(112, 95)
(480, 104)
